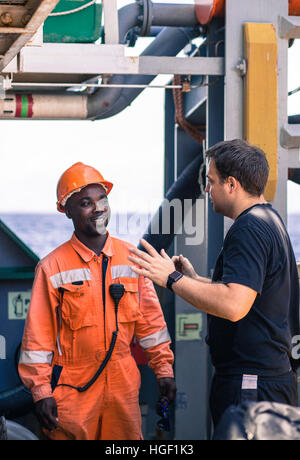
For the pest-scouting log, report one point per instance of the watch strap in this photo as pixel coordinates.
(173, 278)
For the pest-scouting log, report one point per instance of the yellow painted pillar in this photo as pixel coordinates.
(261, 95)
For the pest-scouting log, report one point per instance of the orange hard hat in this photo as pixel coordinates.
(74, 179)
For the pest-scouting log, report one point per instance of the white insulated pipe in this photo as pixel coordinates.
(44, 107)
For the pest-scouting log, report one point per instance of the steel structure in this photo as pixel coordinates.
(20, 22)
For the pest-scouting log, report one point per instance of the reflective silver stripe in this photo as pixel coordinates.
(155, 339)
(70, 276)
(120, 271)
(36, 357)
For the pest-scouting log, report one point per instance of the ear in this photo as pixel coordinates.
(68, 212)
(232, 184)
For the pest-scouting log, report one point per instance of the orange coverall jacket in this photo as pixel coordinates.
(71, 333)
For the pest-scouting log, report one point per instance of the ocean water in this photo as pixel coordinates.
(44, 232)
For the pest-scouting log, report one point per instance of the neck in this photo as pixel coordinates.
(246, 203)
(95, 243)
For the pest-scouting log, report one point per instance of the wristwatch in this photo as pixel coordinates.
(172, 278)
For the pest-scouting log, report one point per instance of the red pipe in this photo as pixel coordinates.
(294, 7)
(206, 10)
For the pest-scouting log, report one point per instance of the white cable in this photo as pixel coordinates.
(63, 13)
(91, 85)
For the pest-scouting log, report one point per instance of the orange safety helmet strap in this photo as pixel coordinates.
(76, 177)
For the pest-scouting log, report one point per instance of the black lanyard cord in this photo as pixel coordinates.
(117, 292)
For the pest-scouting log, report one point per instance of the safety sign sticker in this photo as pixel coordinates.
(189, 326)
(18, 304)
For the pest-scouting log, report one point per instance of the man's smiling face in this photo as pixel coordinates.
(89, 210)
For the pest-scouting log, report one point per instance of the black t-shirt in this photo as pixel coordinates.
(257, 253)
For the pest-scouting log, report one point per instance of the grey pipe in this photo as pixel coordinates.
(128, 19)
(173, 15)
(144, 14)
(101, 101)
(108, 102)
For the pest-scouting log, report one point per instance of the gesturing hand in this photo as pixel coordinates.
(152, 265)
(184, 266)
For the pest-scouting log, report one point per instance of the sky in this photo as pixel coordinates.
(128, 149)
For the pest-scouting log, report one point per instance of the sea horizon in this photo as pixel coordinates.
(43, 232)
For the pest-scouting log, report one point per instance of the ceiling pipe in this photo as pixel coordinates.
(107, 102)
(128, 19)
(143, 14)
(43, 106)
(172, 15)
(140, 16)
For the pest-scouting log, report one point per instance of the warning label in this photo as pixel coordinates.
(189, 326)
(18, 304)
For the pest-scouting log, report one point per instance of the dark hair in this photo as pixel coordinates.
(245, 162)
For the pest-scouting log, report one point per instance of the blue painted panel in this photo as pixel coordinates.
(11, 332)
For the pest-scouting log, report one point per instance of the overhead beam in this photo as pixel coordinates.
(107, 59)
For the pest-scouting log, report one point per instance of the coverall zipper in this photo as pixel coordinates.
(104, 270)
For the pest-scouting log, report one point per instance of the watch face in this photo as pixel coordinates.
(175, 275)
(172, 278)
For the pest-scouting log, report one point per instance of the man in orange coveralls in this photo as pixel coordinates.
(72, 324)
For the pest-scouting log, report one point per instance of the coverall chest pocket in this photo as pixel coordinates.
(129, 304)
(78, 309)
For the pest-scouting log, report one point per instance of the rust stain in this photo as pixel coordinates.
(134, 59)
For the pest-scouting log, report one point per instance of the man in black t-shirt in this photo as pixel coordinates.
(253, 299)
